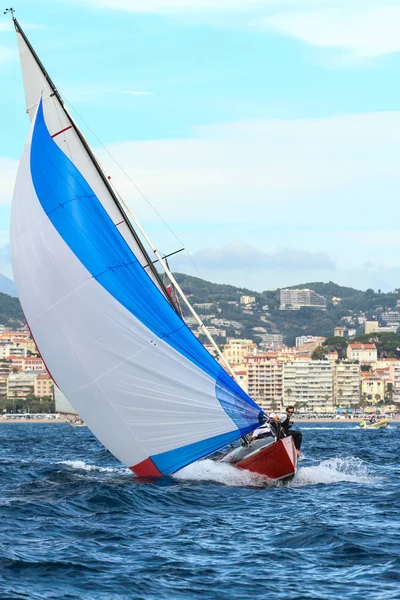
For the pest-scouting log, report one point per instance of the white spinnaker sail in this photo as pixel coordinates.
(114, 345)
(38, 85)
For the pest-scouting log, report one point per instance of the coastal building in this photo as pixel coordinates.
(373, 386)
(3, 384)
(241, 376)
(296, 299)
(247, 299)
(236, 349)
(216, 331)
(371, 326)
(270, 340)
(305, 339)
(351, 332)
(364, 353)
(43, 385)
(339, 331)
(396, 381)
(204, 305)
(346, 384)
(391, 317)
(33, 363)
(20, 384)
(309, 385)
(389, 329)
(265, 380)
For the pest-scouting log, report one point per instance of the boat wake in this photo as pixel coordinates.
(224, 473)
(333, 470)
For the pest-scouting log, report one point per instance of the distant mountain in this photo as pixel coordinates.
(7, 286)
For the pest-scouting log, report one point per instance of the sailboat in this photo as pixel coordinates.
(107, 327)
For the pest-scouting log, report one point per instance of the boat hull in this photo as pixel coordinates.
(378, 425)
(277, 460)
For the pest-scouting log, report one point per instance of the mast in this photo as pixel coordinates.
(124, 209)
(94, 161)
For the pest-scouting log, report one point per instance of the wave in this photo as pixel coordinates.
(330, 428)
(224, 473)
(82, 466)
(333, 470)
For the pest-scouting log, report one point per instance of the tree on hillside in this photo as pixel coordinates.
(389, 392)
(320, 353)
(365, 368)
(336, 344)
(386, 343)
(363, 403)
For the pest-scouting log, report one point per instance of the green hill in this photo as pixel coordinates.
(11, 314)
(306, 321)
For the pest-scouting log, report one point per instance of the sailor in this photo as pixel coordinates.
(262, 432)
(286, 424)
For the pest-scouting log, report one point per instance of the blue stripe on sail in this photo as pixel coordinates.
(174, 460)
(85, 226)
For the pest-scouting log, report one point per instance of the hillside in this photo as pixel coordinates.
(11, 314)
(306, 321)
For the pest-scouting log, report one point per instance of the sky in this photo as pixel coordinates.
(261, 135)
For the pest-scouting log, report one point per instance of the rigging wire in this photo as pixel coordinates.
(142, 194)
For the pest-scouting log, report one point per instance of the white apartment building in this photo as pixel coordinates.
(235, 350)
(305, 339)
(395, 368)
(346, 384)
(364, 353)
(339, 331)
(12, 350)
(19, 385)
(265, 381)
(271, 339)
(370, 326)
(310, 384)
(296, 299)
(247, 299)
(391, 317)
(216, 331)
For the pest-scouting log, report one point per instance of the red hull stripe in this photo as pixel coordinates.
(62, 131)
(146, 469)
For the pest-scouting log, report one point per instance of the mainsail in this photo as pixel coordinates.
(100, 315)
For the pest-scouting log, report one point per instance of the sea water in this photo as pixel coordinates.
(75, 523)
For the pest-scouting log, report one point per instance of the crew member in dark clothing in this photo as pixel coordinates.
(286, 427)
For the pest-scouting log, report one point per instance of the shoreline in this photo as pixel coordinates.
(22, 420)
(297, 421)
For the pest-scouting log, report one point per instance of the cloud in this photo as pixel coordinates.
(5, 260)
(269, 173)
(8, 173)
(179, 6)
(244, 257)
(133, 93)
(361, 29)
